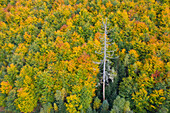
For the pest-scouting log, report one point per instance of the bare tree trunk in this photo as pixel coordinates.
(106, 57)
(104, 67)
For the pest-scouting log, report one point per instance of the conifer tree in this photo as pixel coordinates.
(108, 54)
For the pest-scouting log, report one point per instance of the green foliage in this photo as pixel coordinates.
(89, 110)
(47, 49)
(10, 107)
(59, 96)
(120, 105)
(3, 99)
(97, 103)
(105, 106)
(46, 108)
(126, 88)
(163, 110)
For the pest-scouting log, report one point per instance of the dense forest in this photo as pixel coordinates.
(51, 56)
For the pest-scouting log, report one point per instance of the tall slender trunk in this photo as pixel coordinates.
(104, 67)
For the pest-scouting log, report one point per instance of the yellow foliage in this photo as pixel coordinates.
(5, 87)
(27, 37)
(156, 98)
(22, 49)
(70, 23)
(11, 67)
(55, 107)
(27, 80)
(26, 100)
(144, 81)
(109, 4)
(73, 103)
(133, 53)
(59, 38)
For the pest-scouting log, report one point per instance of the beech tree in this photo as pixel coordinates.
(48, 46)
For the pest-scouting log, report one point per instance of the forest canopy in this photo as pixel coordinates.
(48, 54)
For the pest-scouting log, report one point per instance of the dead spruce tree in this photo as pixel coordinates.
(108, 54)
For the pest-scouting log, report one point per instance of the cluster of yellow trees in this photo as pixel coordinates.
(47, 55)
